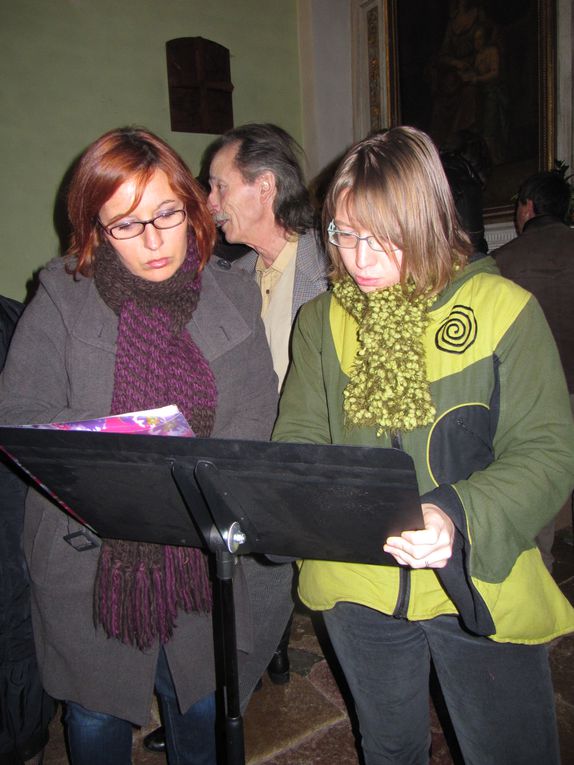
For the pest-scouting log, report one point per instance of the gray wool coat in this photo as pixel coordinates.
(60, 367)
(311, 269)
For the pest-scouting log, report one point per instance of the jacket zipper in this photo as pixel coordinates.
(403, 597)
(462, 424)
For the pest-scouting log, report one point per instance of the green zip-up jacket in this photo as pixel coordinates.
(498, 458)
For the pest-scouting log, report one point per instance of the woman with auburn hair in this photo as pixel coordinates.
(421, 348)
(137, 317)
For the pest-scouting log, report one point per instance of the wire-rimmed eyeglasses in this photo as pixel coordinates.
(348, 240)
(129, 229)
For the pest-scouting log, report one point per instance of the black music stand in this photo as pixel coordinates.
(233, 497)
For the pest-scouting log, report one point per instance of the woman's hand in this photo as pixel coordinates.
(430, 547)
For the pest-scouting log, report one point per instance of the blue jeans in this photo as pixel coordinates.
(499, 695)
(100, 739)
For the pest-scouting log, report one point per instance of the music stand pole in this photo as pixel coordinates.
(225, 563)
(222, 536)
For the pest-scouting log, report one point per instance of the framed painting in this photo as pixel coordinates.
(477, 73)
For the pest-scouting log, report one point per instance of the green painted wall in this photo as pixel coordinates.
(72, 69)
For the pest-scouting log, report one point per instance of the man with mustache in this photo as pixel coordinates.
(258, 198)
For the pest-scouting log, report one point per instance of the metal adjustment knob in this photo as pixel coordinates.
(234, 537)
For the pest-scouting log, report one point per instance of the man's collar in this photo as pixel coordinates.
(541, 220)
(288, 251)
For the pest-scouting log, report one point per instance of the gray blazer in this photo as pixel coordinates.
(60, 367)
(311, 269)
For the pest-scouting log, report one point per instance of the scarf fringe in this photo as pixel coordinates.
(137, 602)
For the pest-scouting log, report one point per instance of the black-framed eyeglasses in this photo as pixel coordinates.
(348, 240)
(130, 229)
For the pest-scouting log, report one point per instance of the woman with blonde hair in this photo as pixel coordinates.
(418, 348)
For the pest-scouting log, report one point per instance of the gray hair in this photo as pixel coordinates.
(264, 147)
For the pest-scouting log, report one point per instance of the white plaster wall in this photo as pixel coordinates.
(325, 54)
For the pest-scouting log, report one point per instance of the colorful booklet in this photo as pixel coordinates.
(165, 421)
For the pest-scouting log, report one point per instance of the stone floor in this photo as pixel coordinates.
(306, 722)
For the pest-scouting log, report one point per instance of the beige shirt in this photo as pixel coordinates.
(276, 285)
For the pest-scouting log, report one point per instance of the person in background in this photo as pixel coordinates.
(258, 197)
(221, 248)
(466, 189)
(418, 349)
(541, 259)
(26, 710)
(136, 317)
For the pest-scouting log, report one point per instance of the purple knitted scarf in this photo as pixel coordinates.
(139, 588)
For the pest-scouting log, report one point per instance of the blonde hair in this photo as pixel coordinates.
(395, 187)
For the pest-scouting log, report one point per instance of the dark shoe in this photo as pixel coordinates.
(155, 741)
(278, 669)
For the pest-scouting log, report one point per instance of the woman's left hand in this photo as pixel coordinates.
(430, 547)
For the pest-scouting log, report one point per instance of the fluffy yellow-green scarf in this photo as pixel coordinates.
(388, 387)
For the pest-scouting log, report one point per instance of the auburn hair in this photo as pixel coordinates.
(119, 155)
